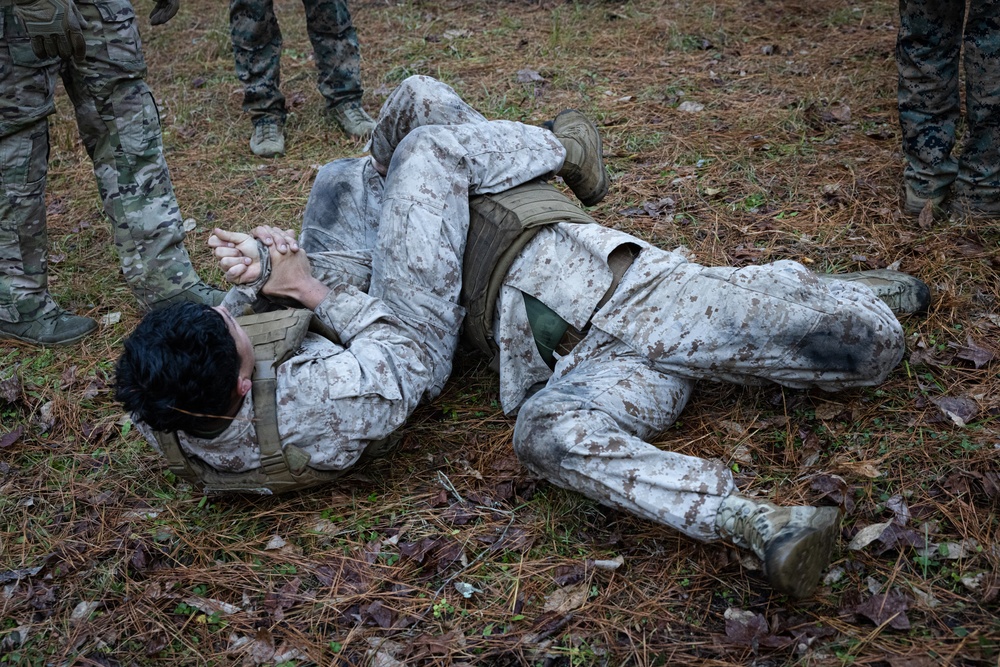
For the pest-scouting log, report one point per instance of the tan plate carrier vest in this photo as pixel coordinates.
(500, 226)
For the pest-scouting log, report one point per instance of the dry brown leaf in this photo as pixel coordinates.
(867, 535)
(887, 608)
(563, 600)
(959, 410)
(829, 411)
(926, 217)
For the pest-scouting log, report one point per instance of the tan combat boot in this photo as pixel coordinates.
(903, 293)
(583, 169)
(268, 140)
(913, 202)
(794, 543)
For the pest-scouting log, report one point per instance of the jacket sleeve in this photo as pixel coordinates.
(338, 398)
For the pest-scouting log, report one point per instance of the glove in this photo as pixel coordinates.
(54, 26)
(164, 11)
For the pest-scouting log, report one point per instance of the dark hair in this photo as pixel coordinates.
(179, 365)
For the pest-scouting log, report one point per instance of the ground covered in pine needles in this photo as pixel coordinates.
(745, 131)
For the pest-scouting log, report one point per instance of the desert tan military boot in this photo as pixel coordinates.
(352, 119)
(794, 543)
(583, 169)
(903, 293)
(268, 139)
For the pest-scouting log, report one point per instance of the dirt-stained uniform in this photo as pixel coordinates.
(929, 49)
(120, 128)
(584, 424)
(257, 43)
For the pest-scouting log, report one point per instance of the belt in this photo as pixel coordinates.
(619, 261)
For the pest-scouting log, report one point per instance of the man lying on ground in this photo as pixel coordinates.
(599, 337)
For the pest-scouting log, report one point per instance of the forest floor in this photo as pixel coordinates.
(745, 131)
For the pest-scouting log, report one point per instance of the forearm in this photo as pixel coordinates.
(341, 268)
(310, 293)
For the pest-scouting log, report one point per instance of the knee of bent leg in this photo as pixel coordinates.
(333, 219)
(861, 344)
(436, 143)
(136, 121)
(417, 85)
(542, 434)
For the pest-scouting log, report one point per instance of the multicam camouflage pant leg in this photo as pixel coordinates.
(928, 53)
(978, 182)
(27, 88)
(586, 431)
(125, 143)
(119, 124)
(257, 42)
(335, 45)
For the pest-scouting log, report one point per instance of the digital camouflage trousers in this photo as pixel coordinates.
(257, 49)
(934, 36)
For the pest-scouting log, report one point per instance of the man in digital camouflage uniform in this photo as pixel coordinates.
(932, 36)
(257, 46)
(383, 279)
(94, 46)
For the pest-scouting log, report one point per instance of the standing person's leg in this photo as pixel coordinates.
(27, 311)
(126, 146)
(978, 184)
(927, 55)
(257, 42)
(586, 431)
(338, 61)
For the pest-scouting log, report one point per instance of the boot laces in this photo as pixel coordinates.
(354, 114)
(743, 524)
(748, 526)
(269, 132)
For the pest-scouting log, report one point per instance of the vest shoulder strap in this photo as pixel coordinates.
(275, 336)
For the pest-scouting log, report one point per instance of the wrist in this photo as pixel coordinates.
(311, 293)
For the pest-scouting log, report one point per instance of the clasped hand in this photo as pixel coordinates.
(239, 255)
(291, 274)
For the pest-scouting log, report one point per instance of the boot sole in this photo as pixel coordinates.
(6, 335)
(796, 558)
(917, 297)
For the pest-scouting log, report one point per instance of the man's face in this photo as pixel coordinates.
(243, 346)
